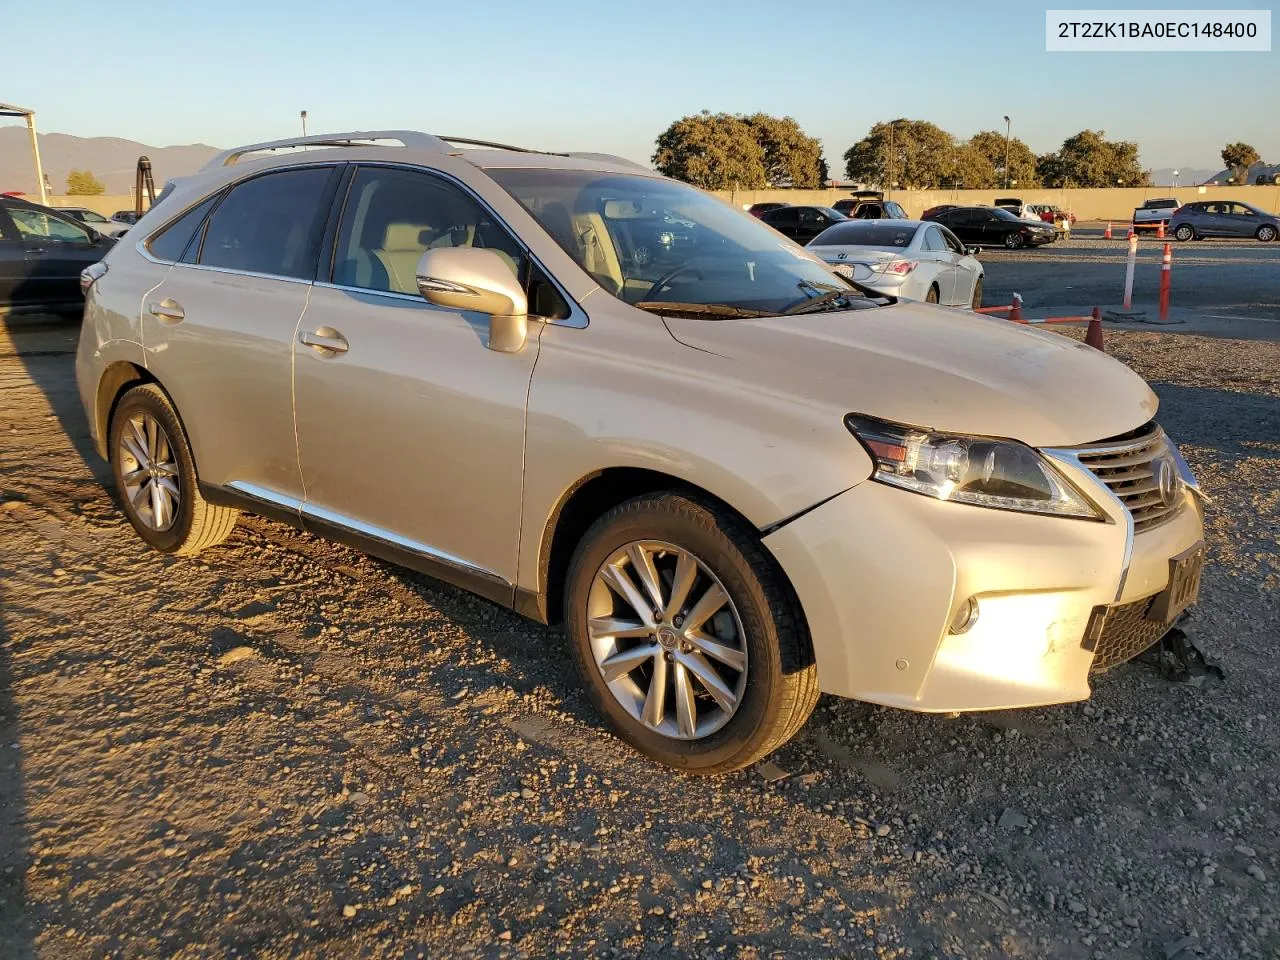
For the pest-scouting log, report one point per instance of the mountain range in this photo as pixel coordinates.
(112, 160)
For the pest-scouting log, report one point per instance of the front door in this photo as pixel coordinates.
(224, 321)
(410, 430)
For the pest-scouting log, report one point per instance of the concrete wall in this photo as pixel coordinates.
(1103, 203)
(106, 204)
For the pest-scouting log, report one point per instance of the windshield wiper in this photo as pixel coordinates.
(702, 309)
(820, 302)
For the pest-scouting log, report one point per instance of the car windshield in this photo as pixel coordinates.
(864, 233)
(651, 241)
(91, 217)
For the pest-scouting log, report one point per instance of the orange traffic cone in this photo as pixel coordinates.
(1160, 230)
(1106, 234)
(1093, 336)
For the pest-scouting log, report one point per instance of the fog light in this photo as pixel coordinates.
(965, 617)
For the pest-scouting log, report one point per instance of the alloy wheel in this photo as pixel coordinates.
(149, 471)
(1266, 234)
(1013, 240)
(667, 639)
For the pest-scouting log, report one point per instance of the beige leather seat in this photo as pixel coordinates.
(402, 248)
(598, 255)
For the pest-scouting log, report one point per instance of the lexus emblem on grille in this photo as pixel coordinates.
(1167, 481)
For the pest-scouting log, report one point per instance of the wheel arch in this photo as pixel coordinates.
(578, 508)
(115, 380)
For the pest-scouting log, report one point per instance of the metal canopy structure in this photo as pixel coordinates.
(9, 110)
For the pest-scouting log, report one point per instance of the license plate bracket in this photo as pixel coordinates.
(1183, 588)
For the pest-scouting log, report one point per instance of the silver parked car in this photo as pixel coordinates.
(904, 258)
(96, 221)
(737, 478)
(1224, 218)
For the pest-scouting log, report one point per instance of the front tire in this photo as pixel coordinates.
(1184, 232)
(932, 295)
(977, 294)
(156, 476)
(1013, 241)
(689, 642)
(1266, 233)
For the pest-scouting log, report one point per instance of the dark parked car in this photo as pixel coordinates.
(1223, 218)
(870, 205)
(125, 216)
(42, 254)
(802, 224)
(760, 209)
(992, 226)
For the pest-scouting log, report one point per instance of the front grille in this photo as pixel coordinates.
(1126, 633)
(1129, 471)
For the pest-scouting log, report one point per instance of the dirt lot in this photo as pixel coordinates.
(1226, 279)
(287, 749)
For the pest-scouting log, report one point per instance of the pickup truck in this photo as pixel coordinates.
(1152, 213)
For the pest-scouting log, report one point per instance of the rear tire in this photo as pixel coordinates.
(759, 625)
(1266, 233)
(148, 450)
(1184, 232)
(977, 294)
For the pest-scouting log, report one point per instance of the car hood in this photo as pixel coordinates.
(930, 366)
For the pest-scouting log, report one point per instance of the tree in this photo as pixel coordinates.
(1022, 161)
(912, 154)
(82, 183)
(791, 157)
(973, 170)
(1238, 158)
(1090, 160)
(713, 151)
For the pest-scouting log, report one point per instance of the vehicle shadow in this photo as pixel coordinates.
(1231, 423)
(16, 932)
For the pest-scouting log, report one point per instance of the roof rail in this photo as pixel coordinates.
(609, 158)
(465, 142)
(407, 138)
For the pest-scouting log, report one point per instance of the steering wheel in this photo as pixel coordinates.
(665, 280)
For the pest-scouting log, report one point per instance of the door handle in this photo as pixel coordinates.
(325, 341)
(38, 251)
(167, 310)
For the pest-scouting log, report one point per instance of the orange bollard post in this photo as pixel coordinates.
(1093, 336)
(1106, 234)
(1015, 311)
(1166, 264)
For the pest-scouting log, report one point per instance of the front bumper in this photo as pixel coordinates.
(881, 574)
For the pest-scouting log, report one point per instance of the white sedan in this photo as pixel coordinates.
(912, 259)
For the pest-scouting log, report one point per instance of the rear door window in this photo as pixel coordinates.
(270, 224)
(173, 240)
(933, 240)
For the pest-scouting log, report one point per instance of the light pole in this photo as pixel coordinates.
(1175, 178)
(304, 123)
(1008, 129)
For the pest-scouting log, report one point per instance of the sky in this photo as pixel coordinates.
(609, 77)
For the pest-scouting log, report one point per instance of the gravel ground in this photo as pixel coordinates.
(1227, 279)
(287, 749)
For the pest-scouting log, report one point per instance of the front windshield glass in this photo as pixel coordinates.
(650, 241)
(91, 217)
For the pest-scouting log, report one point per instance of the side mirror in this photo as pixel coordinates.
(472, 278)
(973, 251)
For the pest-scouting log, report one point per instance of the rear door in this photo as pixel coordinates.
(218, 331)
(811, 223)
(785, 220)
(966, 224)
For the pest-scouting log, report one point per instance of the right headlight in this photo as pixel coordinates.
(984, 472)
